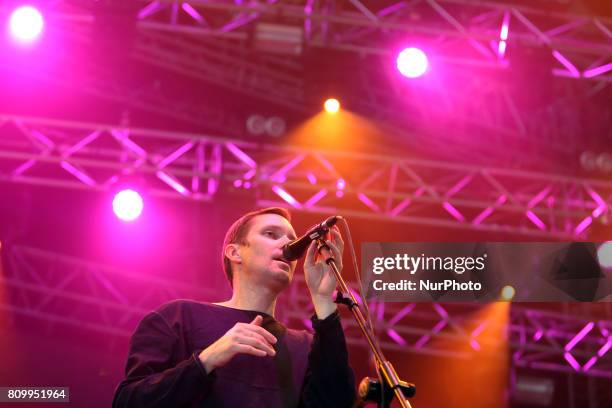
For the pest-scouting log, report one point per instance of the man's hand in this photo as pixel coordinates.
(320, 278)
(243, 338)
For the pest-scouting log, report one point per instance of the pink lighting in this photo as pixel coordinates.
(604, 349)
(77, 173)
(315, 198)
(593, 72)
(583, 225)
(501, 49)
(172, 182)
(399, 316)
(369, 203)
(240, 155)
(572, 361)
(589, 364)
(453, 211)
(282, 193)
(537, 221)
(585, 330)
(127, 205)
(406, 202)
(149, 9)
(601, 204)
(425, 338)
(538, 335)
(412, 62)
(457, 187)
(188, 8)
(571, 68)
(503, 36)
(26, 24)
(281, 174)
(175, 155)
(311, 178)
(396, 337)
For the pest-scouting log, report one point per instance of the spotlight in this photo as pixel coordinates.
(507, 293)
(332, 105)
(127, 205)
(604, 255)
(412, 62)
(26, 23)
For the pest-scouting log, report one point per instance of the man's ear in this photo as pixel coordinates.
(232, 252)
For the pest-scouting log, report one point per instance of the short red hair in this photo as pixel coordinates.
(237, 233)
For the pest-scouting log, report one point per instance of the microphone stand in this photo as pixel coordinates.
(392, 385)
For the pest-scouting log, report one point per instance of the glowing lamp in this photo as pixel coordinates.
(412, 62)
(507, 293)
(332, 105)
(127, 205)
(26, 24)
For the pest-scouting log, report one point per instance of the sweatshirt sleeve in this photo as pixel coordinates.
(153, 378)
(329, 381)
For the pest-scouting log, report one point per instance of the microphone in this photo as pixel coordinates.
(295, 249)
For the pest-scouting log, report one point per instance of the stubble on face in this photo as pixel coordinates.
(263, 256)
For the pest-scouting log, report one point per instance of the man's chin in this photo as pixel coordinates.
(283, 278)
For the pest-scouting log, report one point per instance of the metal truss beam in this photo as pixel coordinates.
(216, 47)
(226, 64)
(537, 338)
(376, 187)
(461, 31)
(65, 290)
(489, 107)
(101, 82)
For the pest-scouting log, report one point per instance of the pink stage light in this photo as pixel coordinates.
(127, 205)
(26, 24)
(412, 62)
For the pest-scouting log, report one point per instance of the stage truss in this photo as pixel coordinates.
(579, 45)
(62, 290)
(212, 42)
(369, 186)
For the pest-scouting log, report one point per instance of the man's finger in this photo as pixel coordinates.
(262, 332)
(336, 253)
(257, 343)
(258, 337)
(311, 253)
(257, 320)
(246, 349)
(337, 237)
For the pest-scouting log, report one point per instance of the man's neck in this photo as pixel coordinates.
(244, 297)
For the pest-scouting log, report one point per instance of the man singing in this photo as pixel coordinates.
(234, 353)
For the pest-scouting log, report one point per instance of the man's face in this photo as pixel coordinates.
(262, 255)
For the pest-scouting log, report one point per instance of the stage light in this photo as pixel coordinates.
(412, 62)
(26, 24)
(332, 105)
(507, 293)
(127, 205)
(604, 255)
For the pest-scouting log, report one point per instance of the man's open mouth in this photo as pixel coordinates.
(283, 261)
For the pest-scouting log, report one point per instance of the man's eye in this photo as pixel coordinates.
(269, 233)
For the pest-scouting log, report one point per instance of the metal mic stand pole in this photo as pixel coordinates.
(390, 378)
